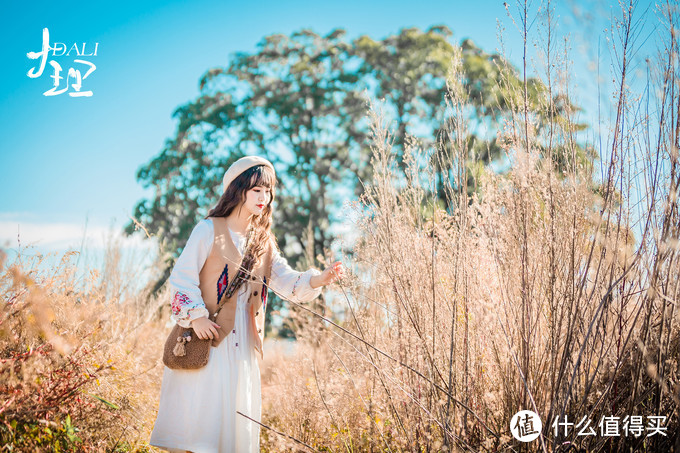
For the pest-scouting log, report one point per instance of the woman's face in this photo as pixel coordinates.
(257, 199)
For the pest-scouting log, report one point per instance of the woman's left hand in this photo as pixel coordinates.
(329, 275)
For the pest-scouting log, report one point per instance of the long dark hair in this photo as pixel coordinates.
(259, 231)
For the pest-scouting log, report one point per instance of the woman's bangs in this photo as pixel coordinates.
(263, 176)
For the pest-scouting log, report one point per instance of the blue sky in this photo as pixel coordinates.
(66, 159)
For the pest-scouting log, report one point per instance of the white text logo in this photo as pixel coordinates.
(526, 426)
(74, 78)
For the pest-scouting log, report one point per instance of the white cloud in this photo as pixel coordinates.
(59, 237)
(42, 244)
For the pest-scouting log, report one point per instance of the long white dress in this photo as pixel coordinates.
(197, 409)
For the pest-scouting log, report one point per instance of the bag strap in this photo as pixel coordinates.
(243, 269)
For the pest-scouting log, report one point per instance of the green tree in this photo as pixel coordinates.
(409, 71)
(291, 101)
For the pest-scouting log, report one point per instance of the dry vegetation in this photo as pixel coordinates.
(547, 292)
(79, 358)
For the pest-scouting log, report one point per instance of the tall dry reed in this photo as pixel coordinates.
(551, 288)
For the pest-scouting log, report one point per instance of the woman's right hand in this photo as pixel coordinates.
(205, 329)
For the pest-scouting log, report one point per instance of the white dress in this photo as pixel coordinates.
(197, 409)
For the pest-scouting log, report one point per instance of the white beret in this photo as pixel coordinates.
(242, 165)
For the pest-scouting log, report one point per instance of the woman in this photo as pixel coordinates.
(233, 254)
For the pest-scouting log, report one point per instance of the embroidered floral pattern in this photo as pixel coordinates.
(292, 294)
(179, 302)
(184, 310)
(264, 295)
(222, 282)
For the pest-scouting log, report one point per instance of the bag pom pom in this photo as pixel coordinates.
(179, 349)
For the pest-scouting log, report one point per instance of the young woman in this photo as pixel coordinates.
(197, 410)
